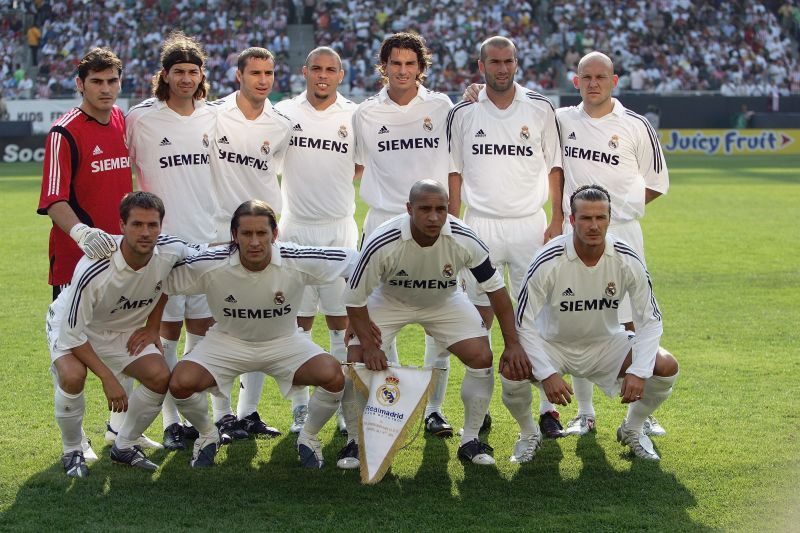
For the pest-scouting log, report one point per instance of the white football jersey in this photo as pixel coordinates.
(108, 295)
(505, 155)
(569, 304)
(317, 180)
(416, 276)
(247, 155)
(258, 306)
(170, 153)
(400, 145)
(619, 151)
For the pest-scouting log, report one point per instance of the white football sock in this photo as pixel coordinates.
(437, 356)
(353, 403)
(584, 391)
(250, 393)
(321, 407)
(169, 413)
(69, 409)
(544, 404)
(656, 390)
(518, 397)
(195, 410)
(299, 397)
(221, 405)
(476, 393)
(338, 349)
(115, 420)
(143, 408)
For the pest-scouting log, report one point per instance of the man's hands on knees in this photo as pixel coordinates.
(514, 363)
(141, 338)
(95, 243)
(632, 388)
(557, 390)
(115, 394)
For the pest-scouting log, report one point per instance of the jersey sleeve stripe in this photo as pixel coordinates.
(533, 95)
(654, 144)
(461, 230)
(169, 239)
(450, 117)
(313, 253)
(90, 273)
(206, 256)
(369, 250)
(547, 255)
(54, 176)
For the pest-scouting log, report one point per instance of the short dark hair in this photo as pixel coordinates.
(409, 41)
(142, 200)
(256, 208)
(254, 52)
(589, 193)
(179, 48)
(98, 60)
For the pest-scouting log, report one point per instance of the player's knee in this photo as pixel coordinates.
(159, 381)
(180, 383)
(334, 378)
(481, 359)
(506, 373)
(73, 380)
(666, 364)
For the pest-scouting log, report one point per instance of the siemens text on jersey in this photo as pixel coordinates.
(423, 283)
(112, 163)
(256, 313)
(589, 305)
(591, 155)
(502, 149)
(319, 144)
(245, 160)
(414, 143)
(180, 160)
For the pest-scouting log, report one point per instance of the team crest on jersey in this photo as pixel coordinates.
(343, 132)
(279, 298)
(611, 289)
(389, 392)
(265, 148)
(525, 133)
(205, 140)
(158, 286)
(613, 143)
(447, 271)
(427, 124)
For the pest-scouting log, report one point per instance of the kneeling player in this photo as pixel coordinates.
(254, 289)
(407, 274)
(567, 321)
(97, 323)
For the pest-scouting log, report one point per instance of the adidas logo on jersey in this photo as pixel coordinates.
(224, 140)
(572, 136)
(97, 150)
(568, 292)
(383, 129)
(297, 127)
(401, 273)
(480, 134)
(165, 142)
(230, 299)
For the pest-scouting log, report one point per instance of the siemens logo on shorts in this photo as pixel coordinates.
(598, 304)
(591, 155)
(319, 144)
(244, 160)
(256, 313)
(423, 283)
(181, 160)
(112, 163)
(415, 143)
(502, 149)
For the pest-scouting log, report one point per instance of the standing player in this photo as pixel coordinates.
(567, 322)
(254, 333)
(319, 204)
(406, 275)
(400, 139)
(505, 148)
(86, 173)
(250, 143)
(605, 143)
(169, 137)
(97, 323)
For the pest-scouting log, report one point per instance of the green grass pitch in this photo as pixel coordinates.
(723, 248)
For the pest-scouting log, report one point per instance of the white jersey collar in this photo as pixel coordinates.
(618, 109)
(338, 103)
(422, 95)
(519, 94)
(230, 104)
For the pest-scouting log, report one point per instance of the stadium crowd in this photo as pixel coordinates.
(736, 47)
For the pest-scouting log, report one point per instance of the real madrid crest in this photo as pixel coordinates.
(158, 286)
(613, 143)
(427, 124)
(265, 148)
(343, 132)
(611, 289)
(389, 392)
(205, 140)
(525, 133)
(447, 271)
(279, 298)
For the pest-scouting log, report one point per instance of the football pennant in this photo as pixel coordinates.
(395, 398)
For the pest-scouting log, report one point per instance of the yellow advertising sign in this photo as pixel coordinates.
(731, 142)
